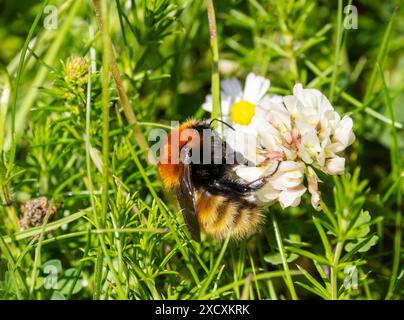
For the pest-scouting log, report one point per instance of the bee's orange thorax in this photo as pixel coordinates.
(170, 164)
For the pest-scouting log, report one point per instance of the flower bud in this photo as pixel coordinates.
(335, 165)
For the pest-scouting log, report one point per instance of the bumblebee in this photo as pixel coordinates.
(211, 198)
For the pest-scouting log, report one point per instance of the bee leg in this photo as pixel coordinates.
(260, 182)
(257, 184)
(227, 186)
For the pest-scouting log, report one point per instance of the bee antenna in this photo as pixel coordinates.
(224, 122)
(276, 169)
(273, 172)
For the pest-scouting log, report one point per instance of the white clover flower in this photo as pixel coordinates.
(306, 127)
(285, 186)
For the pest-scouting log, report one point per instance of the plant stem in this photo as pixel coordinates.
(398, 238)
(288, 278)
(334, 270)
(14, 271)
(99, 260)
(337, 51)
(212, 272)
(12, 215)
(396, 175)
(4, 101)
(37, 259)
(102, 11)
(105, 114)
(216, 108)
(116, 75)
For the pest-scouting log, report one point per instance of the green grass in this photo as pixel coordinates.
(82, 143)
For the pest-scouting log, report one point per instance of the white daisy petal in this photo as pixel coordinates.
(232, 88)
(207, 105)
(226, 105)
(255, 88)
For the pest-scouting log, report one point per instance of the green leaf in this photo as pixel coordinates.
(49, 227)
(323, 237)
(319, 288)
(39, 282)
(276, 259)
(309, 255)
(362, 245)
(312, 290)
(54, 263)
(56, 295)
(361, 228)
(68, 279)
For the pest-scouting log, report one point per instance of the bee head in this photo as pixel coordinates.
(170, 163)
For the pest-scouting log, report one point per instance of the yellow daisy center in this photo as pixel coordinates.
(242, 112)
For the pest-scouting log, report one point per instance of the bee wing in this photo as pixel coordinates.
(187, 201)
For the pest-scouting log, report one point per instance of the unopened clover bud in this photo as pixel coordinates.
(335, 165)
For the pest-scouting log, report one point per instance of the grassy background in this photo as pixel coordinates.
(116, 234)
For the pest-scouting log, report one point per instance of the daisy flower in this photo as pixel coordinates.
(241, 109)
(238, 105)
